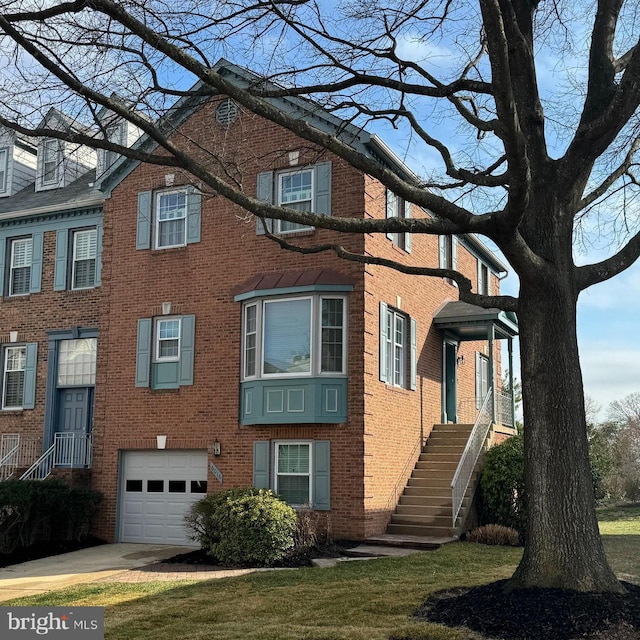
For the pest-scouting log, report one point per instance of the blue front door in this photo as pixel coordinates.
(74, 418)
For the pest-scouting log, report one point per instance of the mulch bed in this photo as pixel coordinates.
(333, 550)
(537, 614)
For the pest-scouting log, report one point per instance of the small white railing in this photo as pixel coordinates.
(9, 447)
(69, 450)
(470, 455)
(504, 408)
(17, 452)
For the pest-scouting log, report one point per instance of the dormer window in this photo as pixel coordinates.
(115, 133)
(4, 164)
(51, 163)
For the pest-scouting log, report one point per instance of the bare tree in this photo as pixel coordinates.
(526, 161)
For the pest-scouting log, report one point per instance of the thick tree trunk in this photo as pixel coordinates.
(563, 545)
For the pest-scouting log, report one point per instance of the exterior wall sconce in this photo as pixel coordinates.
(460, 360)
(161, 442)
(217, 448)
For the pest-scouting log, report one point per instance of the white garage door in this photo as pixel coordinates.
(156, 491)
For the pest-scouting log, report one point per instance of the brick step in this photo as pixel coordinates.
(419, 530)
(422, 510)
(441, 520)
(445, 465)
(435, 480)
(427, 486)
(446, 446)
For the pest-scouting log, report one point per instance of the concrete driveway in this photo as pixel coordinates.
(86, 565)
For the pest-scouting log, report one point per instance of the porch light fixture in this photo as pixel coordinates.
(217, 449)
(161, 442)
(460, 360)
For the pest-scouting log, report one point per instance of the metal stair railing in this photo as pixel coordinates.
(470, 455)
(9, 448)
(68, 450)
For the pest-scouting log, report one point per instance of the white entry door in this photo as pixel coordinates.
(156, 490)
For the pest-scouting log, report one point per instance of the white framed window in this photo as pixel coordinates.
(396, 346)
(295, 191)
(294, 336)
(171, 219)
(13, 373)
(84, 254)
(20, 266)
(4, 166)
(398, 208)
(115, 133)
(293, 472)
(77, 362)
(250, 340)
(167, 342)
(50, 161)
(484, 275)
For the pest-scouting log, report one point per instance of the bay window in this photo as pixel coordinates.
(294, 337)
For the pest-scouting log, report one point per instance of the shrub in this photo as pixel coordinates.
(502, 491)
(34, 511)
(495, 534)
(244, 527)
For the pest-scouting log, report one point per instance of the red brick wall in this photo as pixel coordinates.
(31, 316)
(199, 279)
(368, 453)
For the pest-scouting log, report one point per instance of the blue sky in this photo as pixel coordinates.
(608, 316)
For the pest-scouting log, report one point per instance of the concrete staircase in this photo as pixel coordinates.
(424, 508)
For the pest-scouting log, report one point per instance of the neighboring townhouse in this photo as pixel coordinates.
(50, 273)
(225, 361)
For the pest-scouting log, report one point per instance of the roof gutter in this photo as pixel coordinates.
(66, 206)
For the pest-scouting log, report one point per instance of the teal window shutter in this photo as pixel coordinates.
(187, 349)
(322, 203)
(31, 364)
(143, 228)
(261, 464)
(60, 271)
(414, 355)
(143, 352)
(36, 261)
(322, 475)
(391, 209)
(194, 214)
(98, 279)
(265, 193)
(3, 247)
(383, 342)
(407, 236)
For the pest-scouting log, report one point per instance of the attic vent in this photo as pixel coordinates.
(226, 112)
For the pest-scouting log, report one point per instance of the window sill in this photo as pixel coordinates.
(12, 410)
(161, 251)
(400, 390)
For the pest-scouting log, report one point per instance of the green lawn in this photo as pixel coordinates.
(369, 600)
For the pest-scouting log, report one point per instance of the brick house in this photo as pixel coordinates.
(225, 361)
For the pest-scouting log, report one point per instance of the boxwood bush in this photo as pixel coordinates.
(243, 527)
(32, 512)
(502, 491)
